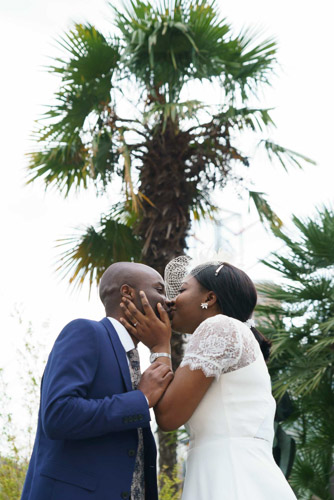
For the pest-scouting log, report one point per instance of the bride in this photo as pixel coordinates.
(222, 389)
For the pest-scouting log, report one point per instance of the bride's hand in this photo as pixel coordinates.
(155, 333)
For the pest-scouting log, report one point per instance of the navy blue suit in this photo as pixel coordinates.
(87, 437)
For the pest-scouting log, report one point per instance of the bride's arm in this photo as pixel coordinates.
(181, 398)
(188, 387)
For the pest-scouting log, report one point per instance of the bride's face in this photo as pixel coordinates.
(186, 312)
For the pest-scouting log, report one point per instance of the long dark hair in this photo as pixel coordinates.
(236, 295)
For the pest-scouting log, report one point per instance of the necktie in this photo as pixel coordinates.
(138, 480)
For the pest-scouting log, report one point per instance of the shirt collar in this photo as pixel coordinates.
(123, 335)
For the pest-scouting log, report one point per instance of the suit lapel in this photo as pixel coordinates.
(119, 352)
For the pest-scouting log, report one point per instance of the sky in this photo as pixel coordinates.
(33, 220)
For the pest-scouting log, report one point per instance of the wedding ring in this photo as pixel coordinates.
(135, 324)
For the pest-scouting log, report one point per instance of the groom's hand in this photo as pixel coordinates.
(154, 381)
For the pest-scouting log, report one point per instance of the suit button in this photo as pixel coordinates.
(131, 453)
(125, 494)
(140, 417)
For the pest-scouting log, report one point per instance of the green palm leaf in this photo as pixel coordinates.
(65, 166)
(86, 81)
(186, 40)
(284, 155)
(78, 140)
(88, 254)
(299, 318)
(264, 209)
(255, 119)
(317, 236)
(74, 165)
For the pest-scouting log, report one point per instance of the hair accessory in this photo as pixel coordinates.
(179, 267)
(204, 305)
(250, 323)
(175, 272)
(218, 269)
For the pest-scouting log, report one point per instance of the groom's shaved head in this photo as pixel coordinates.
(124, 275)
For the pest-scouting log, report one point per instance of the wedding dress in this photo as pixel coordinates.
(231, 430)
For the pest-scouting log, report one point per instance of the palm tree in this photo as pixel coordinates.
(299, 317)
(124, 109)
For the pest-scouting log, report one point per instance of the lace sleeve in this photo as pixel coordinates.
(219, 345)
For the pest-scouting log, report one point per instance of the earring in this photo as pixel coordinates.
(204, 305)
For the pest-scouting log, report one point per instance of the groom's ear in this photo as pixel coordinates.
(128, 292)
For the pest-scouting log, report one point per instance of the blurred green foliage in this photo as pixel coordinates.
(297, 313)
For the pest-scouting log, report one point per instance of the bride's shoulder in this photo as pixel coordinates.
(220, 319)
(222, 325)
(218, 322)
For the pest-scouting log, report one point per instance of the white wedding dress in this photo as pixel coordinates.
(231, 430)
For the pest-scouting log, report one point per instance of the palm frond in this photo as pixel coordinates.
(255, 119)
(299, 317)
(284, 155)
(264, 210)
(131, 196)
(87, 255)
(86, 73)
(202, 207)
(249, 64)
(104, 156)
(66, 166)
(173, 111)
(317, 235)
(311, 248)
(322, 345)
(309, 478)
(327, 326)
(166, 46)
(271, 294)
(124, 213)
(73, 164)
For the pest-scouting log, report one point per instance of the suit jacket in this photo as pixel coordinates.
(86, 441)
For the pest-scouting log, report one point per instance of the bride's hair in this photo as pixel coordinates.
(236, 295)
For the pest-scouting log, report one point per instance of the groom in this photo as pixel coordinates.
(93, 437)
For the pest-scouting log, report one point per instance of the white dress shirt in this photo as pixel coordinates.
(124, 337)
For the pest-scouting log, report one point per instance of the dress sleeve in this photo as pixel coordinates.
(215, 347)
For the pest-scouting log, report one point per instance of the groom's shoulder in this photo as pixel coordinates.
(84, 322)
(82, 325)
(81, 331)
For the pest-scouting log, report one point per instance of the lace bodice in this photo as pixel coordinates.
(220, 345)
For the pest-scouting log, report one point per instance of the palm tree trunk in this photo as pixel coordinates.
(164, 228)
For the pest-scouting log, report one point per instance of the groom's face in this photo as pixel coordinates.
(150, 282)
